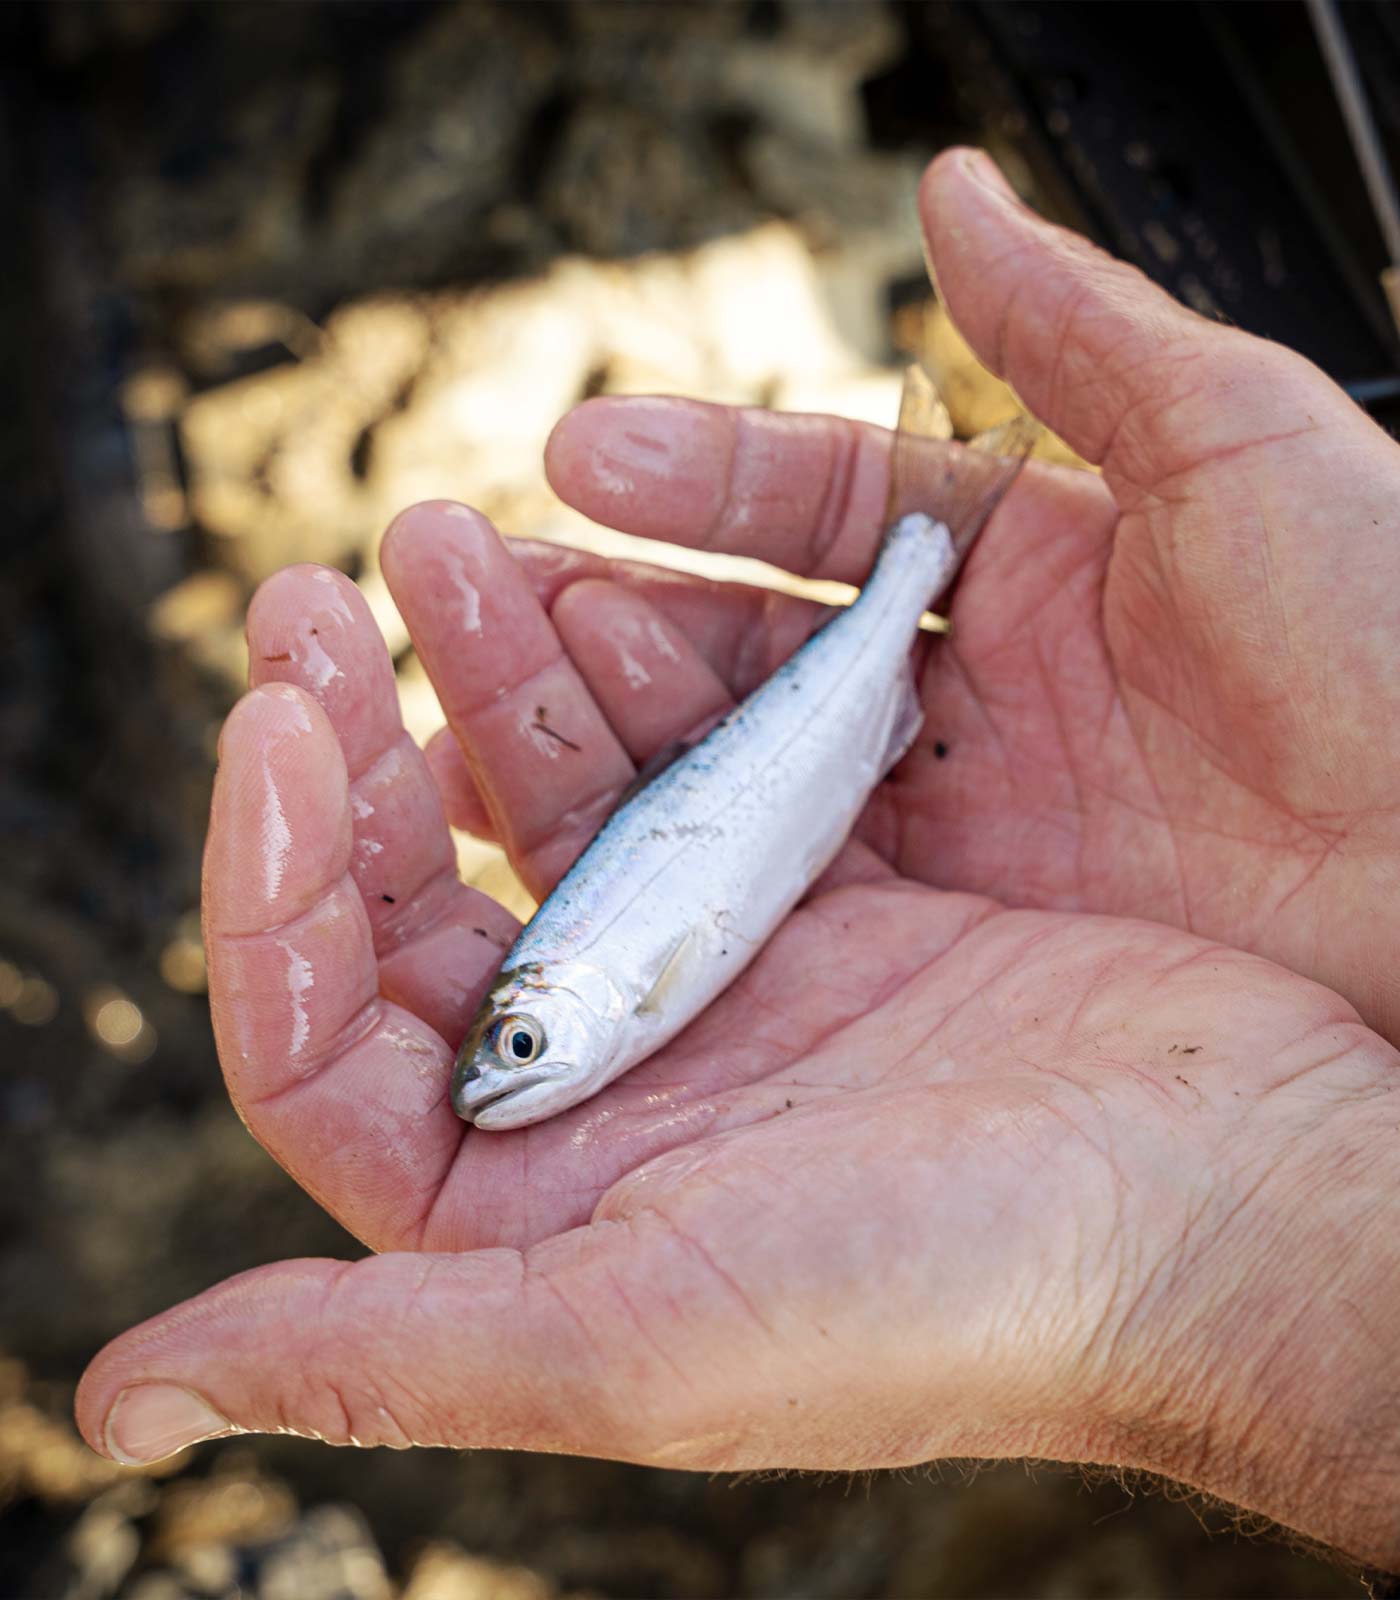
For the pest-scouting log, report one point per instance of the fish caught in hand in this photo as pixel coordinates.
(689, 878)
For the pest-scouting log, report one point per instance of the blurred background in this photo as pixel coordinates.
(273, 271)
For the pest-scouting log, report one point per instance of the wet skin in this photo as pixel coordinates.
(960, 1165)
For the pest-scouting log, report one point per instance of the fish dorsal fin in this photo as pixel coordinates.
(673, 969)
(959, 485)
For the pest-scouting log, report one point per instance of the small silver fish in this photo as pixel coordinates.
(688, 879)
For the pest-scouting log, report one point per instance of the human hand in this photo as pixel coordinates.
(933, 1178)
(1169, 690)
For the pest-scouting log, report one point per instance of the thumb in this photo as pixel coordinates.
(564, 1347)
(1125, 374)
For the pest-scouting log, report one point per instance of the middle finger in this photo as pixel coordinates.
(543, 755)
(545, 761)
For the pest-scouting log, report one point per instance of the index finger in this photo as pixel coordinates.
(805, 493)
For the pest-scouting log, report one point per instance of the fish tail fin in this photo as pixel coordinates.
(958, 485)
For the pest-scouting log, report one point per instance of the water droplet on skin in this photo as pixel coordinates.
(275, 835)
(317, 664)
(662, 645)
(609, 480)
(333, 600)
(470, 596)
(587, 1131)
(426, 1060)
(292, 697)
(636, 674)
(300, 982)
(705, 1447)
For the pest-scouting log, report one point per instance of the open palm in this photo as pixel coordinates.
(934, 1176)
(1165, 692)
(346, 960)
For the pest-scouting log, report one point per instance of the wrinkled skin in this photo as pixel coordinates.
(958, 1166)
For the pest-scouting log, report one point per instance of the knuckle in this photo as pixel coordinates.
(362, 1410)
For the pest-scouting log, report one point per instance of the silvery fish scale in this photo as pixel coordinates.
(687, 880)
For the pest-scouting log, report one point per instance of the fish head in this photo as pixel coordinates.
(545, 1038)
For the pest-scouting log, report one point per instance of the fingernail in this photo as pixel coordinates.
(150, 1421)
(980, 167)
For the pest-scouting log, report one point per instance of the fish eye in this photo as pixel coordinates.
(518, 1040)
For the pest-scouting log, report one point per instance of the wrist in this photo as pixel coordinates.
(1283, 1394)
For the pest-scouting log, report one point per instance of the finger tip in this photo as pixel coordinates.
(573, 441)
(605, 455)
(598, 609)
(426, 543)
(425, 523)
(272, 710)
(126, 1416)
(302, 583)
(292, 608)
(966, 201)
(270, 590)
(944, 168)
(980, 237)
(278, 730)
(967, 173)
(311, 628)
(193, 1372)
(455, 783)
(90, 1404)
(442, 746)
(941, 177)
(136, 1421)
(579, 421)
(280, 827)
(583, 597)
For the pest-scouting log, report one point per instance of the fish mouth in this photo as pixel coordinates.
(478, 1108)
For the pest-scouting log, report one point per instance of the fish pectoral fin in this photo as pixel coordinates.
(904, 728)
(673, 969)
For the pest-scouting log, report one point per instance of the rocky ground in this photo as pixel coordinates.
(279, 269)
